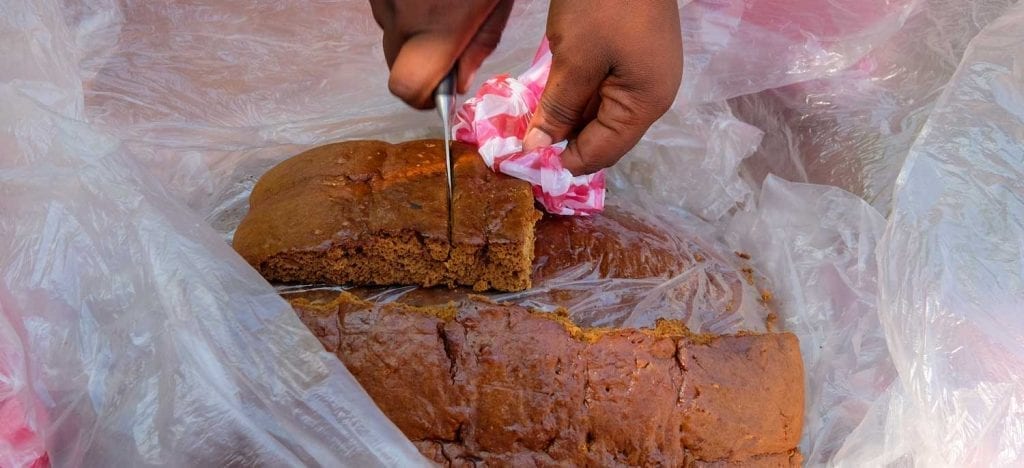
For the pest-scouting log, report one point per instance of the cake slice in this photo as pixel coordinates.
(375, 213)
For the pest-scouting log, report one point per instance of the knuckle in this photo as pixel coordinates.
(556, 39)
(639, 108)
(621, 111)
(591, 164)
(558, 112)
(482, 46)
(664, 94)
(382, 13)
(647, 89)
(590, 167)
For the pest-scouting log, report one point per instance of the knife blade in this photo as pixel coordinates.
(444, 99)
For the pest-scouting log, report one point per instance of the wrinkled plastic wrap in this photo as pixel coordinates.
(738, 48)
(643, 263)
(854, 128)
(132, 131)
(951, 271)
(911, 330)
(817, 243)
(132, 334)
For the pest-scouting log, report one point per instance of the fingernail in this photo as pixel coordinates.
(536, 138)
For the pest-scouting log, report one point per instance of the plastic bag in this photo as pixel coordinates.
(133, 335)
(817, 243)
(224, 373)
(738, 48)
(853, 129)
(706, 140)
(941, 390)
(640, 263)
(131, 128)
(951, 272)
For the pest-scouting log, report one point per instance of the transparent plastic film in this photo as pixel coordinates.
(863, 156)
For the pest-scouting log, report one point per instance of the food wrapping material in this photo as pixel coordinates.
(496, 120)
(132, 131)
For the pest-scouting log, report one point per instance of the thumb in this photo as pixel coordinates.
(570, 88)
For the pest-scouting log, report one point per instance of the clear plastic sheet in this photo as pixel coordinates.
(706, 140)
(145, 338)
(132, 131)
(133, 335)
(853, 129)
(817, 244)
(951, 272)
(638, 263)
(738, 48)
(911, 333)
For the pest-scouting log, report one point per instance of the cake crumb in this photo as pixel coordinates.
(748, 275)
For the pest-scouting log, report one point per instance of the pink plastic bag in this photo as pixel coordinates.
(21, 443)
(496, 120)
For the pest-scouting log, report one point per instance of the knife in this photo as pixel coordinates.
(444, 98)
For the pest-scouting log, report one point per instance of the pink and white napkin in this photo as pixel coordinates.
(496, 120)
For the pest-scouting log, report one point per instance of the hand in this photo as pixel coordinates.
(423, 40)
(616, 68)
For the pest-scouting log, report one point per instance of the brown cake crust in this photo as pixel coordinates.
(619, 244)
(370, 212)
(502, 385)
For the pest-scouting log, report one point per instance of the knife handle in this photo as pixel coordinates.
(444, 99)
(447, 85)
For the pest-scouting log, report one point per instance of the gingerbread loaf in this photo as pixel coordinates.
(477, 383)
(370, 212)
(474, 381)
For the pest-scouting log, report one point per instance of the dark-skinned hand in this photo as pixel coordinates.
(616, 67)
(424, 39)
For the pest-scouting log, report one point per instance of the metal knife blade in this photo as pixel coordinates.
(444, 99)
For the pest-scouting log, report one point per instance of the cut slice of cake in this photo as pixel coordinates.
(375, 213)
